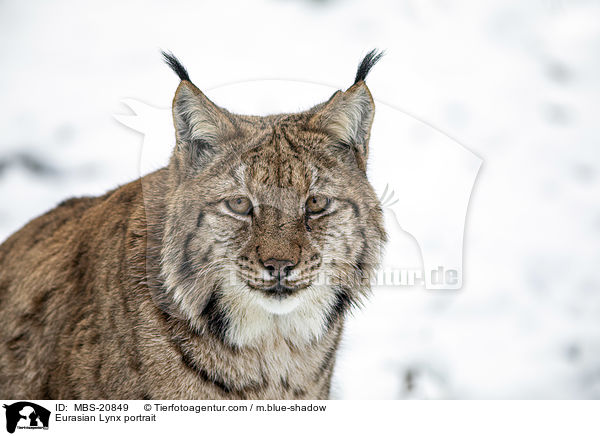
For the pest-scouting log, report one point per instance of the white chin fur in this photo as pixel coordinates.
(254, 317)
(279, 306)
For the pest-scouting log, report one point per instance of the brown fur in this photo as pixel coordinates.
(155, 290)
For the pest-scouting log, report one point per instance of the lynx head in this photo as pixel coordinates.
(272, 228)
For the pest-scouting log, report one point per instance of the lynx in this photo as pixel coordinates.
(227, 274)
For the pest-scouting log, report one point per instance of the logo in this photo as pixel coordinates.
(26, 415)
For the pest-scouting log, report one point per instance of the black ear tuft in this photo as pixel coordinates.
(367, 63)
(175, 65)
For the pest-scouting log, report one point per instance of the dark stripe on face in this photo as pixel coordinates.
(206, 256)
(353, 205)
(255, 146)
(348, 250)
(326, 214)
(291, 142)
(200, 219)
(229, 217)
(343, 303)
(186, 268)
(215, 317)
(306, 225)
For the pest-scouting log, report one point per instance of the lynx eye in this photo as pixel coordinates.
(316, 204)
(239, 205)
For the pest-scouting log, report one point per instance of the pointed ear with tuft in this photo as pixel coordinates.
(347, 117)
(198, 125)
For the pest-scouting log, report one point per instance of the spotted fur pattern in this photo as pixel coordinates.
(159, 290)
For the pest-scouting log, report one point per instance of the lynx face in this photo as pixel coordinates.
(272, 227)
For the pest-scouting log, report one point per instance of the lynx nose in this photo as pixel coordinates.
(278, 268)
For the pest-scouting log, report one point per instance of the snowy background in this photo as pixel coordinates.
(515, 82)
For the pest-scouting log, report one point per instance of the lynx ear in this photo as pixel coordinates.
(198, 121)
(347, 116)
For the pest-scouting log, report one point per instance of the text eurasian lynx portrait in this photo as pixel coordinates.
(225, 275)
